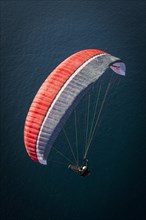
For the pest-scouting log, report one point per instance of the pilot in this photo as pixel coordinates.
(81, 170)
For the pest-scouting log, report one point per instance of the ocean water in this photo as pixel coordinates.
(35, 37)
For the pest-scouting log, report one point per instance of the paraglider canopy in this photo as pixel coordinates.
(59, 95)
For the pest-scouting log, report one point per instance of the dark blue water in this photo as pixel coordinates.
(35, 37)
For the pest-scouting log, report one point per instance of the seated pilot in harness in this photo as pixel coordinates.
(81, 170)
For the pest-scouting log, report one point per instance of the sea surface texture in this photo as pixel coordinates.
(35, 37)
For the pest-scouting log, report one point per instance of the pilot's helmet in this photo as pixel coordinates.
(84, 167)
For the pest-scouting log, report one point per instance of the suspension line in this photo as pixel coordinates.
(76, 134)
(59, 152)
(100, 111)
(69, 144)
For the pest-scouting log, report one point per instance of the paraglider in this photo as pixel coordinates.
(59, 95)
(81, 170)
